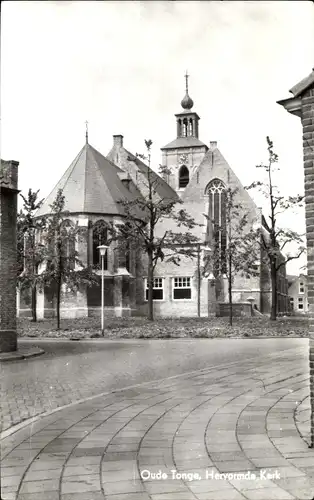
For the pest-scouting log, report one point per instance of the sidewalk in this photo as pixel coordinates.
(244, 418)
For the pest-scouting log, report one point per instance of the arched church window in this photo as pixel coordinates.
(184, 176)
(184, 128)
(217, 197)
(179, 127)
(100, 237)
(190, 127)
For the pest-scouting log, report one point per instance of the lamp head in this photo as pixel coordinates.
(102, 249)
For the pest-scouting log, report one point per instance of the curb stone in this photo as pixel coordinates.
(21, 353)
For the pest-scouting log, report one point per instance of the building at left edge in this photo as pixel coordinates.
(8, 257)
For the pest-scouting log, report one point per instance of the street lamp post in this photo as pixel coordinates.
(102, 250)
(199, 249)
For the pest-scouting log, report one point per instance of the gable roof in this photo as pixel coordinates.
(139, 172)
(91, 184)
(214, 166)
(303, 85)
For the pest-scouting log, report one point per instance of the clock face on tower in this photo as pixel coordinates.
(183, 159)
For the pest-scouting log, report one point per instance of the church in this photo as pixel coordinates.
(197, 173)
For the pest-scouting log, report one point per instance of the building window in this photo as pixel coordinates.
(182, 288)
(301, 287)
(300, 304)
(217, 198)
(100, 237)
(184, 176)
(158, 289)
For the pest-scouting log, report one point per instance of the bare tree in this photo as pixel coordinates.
(29, 251)
(240, 253)
(145, 214)
(62, 263)
(274, 244)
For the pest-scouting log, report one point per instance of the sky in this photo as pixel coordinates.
(121, 66)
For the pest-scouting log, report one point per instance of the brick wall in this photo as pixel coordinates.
(307, 117)
(295, 294)
(171, 160)
(238, 309)
(8, 261)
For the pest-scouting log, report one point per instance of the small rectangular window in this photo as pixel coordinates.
(182, 288)
(301, 287)
(158, 289)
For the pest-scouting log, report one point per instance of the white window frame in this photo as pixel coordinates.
(300, 303)
(301, 285)
(180, 279)
(161, 281)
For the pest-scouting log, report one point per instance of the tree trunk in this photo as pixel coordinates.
(34, 303)
(58, 304)
(150, 284)
(273, 314)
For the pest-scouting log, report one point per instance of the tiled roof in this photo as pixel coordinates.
(138, 172)
(90, 185)
(184, 142)
(300, 87)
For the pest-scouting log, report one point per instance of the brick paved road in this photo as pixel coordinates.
(70, 371)
(234, 418)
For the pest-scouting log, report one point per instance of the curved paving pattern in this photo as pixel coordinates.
(192, 428)
(302, 418)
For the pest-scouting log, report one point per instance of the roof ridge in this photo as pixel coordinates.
(301, 86)
(137, 159)
(106, 158)
(118, 188)
(160, 178)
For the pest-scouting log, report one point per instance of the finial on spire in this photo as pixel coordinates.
(187, 102)
(86, 131)
(186, 76)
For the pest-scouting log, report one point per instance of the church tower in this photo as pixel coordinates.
(183, 155)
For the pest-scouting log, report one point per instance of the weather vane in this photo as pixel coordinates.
(86, 131)
(186, 76)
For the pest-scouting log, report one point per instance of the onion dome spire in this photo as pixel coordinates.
(187, 102)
